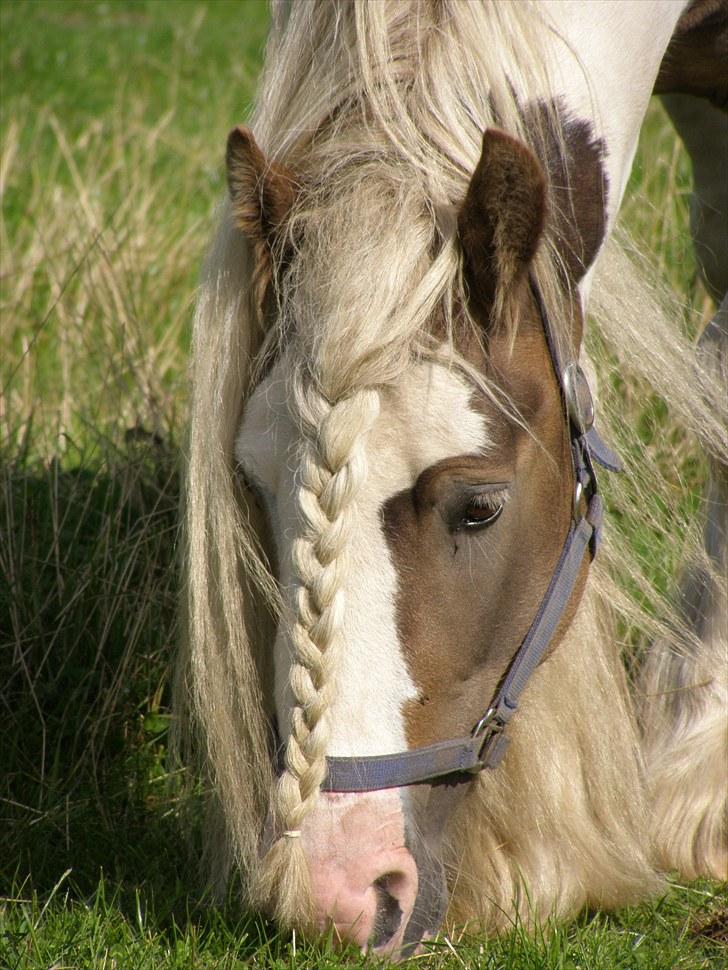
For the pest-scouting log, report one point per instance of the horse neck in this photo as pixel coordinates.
(604, 62)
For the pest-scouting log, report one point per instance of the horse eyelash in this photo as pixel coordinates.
(490, 499)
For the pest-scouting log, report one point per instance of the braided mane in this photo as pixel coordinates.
(331, 471)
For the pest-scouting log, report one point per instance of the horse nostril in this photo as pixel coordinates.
(388, 915)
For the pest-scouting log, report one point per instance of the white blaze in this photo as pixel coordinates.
(425, 419)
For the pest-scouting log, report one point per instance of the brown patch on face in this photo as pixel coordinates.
(696, 60)
(467, 598)
(468, 592)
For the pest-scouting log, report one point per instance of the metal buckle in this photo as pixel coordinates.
(490, 728)
(578, 397)
(490, 725)
(491, 716)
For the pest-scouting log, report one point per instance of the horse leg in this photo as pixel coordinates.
(685, 684)
(703, 129)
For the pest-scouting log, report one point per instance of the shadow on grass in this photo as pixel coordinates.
(88, 593)
(98, 834)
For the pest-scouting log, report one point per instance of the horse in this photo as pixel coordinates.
(401, 682)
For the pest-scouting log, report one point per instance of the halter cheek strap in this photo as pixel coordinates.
(459, 758)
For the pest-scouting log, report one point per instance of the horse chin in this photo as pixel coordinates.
(397, 953)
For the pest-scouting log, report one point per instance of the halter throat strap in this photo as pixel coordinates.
(456, 760)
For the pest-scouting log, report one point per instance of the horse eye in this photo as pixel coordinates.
(478, 518)
(482, 510)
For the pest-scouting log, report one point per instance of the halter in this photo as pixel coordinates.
(460, 758)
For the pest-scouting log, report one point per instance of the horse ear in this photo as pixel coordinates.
(262, 192)
(502, 218)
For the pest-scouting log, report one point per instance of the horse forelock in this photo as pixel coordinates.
(383, 129)
(355, 301)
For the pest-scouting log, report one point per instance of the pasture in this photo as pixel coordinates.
(113, 128)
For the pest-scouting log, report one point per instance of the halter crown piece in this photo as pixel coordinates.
(459, 758)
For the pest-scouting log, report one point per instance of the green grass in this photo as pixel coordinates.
(114, 124)
(107, 929)
(114, 120)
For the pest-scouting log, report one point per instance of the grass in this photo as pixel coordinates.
(104, 930)
(113, 125)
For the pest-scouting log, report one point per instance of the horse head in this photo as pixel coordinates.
(415, 524)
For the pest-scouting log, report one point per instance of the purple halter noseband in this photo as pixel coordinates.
(459, 758)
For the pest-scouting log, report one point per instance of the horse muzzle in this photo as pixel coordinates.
(374, 885)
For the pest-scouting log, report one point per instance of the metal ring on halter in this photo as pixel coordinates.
(490, 732)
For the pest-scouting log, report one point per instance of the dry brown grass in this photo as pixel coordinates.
(96, 283)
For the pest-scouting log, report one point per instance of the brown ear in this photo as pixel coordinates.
(573, 156)
(502, 218)
(262, 192)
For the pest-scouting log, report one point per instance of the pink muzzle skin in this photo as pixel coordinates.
(364, 878)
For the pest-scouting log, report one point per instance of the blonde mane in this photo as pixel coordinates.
(379, 109)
